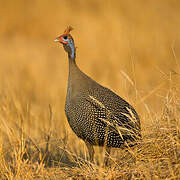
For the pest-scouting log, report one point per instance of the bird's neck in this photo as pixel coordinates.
(74, 70)
(72, 54)
(72, 59)
(77, 80)
(72, 62)
(73, 77)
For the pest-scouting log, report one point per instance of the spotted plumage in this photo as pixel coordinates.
(96, 114)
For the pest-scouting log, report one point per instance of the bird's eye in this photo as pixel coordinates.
(65, 37)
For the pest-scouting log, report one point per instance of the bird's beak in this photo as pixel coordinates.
(56, 40)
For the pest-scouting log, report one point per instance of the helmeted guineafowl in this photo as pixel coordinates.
(96, 114)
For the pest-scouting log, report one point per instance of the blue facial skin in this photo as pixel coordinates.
(71, 44)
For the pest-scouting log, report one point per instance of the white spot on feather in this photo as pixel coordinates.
(97, 101)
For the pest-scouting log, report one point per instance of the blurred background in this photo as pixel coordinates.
(131, 47)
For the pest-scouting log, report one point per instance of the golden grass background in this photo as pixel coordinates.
(131, 47)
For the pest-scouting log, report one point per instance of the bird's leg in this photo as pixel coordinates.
(107, 155)
(91, 151)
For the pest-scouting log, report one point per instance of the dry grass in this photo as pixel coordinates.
(130, 47)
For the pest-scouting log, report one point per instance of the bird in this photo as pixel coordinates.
(95, 113)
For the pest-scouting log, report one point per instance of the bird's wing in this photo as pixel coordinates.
(112, 121)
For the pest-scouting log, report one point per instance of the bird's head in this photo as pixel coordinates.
(67, 41)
